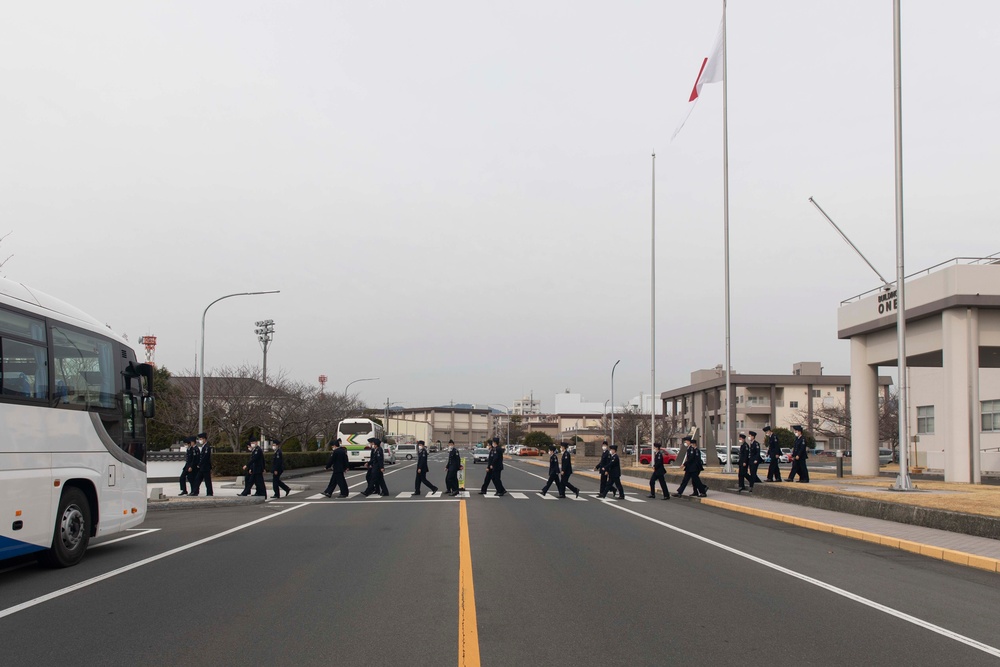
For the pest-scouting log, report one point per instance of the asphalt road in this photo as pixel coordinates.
(554, 582)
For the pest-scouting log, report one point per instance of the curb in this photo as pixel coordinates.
(939, 553)
(167, 505)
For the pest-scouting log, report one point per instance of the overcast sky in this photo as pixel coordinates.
(455, 196)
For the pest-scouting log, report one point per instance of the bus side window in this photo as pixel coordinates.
(24, 369)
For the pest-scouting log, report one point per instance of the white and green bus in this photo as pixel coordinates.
(354, 434)
(73, 411)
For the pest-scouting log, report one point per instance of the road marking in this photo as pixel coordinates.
(9, 611)
(519, 496)
(578, 499)
(545, 497)
(136, 532)
(433, 494)
(316, 497)
(633, 500)
(468, 631)
(944, 632)
(404, 494)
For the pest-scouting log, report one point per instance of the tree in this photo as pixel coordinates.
(538, 439)
(238, 403)
(835, 421)
(176, 414)
(629, 417)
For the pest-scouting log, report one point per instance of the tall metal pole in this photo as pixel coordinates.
(201, 371)
(652, 318)
(613, 400)
(903, 481)
(358, 380)
(849, 241)
(730, 403)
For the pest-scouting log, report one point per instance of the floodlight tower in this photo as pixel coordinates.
(149, 342)
(322, 383)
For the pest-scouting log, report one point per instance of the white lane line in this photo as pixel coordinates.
(404, 494)
(944, 632)
(633, 500)
(580, 500)
(545, 497)
(137, 533)
(316, 497)
(433, 494)
(605, 499)
(518, 495)
(410, 501)
(9, 611)
(492, 495)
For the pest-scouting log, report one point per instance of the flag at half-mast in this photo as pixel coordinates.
(710, 72)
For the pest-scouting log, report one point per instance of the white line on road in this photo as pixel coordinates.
(135, 533)
(944, 632)
(9, 611)
(545, 497)
(518, 495)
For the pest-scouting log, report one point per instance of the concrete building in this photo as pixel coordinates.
(466, 426)
(527, 405)
(778, 400)
(573, 404)
(953, 327)
(409, 430)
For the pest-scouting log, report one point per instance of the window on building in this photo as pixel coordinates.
(990, 416)
(816, 393)
(793, 404)
(925, 419)
(840, 390)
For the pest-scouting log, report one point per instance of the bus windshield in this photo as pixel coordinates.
(355, 428)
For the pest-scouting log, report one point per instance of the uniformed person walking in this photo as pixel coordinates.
(615, 473)
(204, 466)
(566, 469)
(773, 453)
(755, 458)
(255, 471)
(277, 470)
(799, 455)
(188, 462)
(377, 466)
(491, 453)
(602, 468)
(339, 463)
(451, 470)
(693, 466)
(498, 468)
(553, 473)
(744, 463)
(659, 473)
(422, 469)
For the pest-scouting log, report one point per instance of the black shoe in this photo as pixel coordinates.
(192, 495)
(482, 493)
(500, 495)
(434, 490)
(751, 489)
(666, 497)
(577, 493)
(544, 493)
(740, 490)
(704, 494)
(324, 493)
(803, 481)
(239, 494)
(184, 493)
(365, 494)
(601, 496)
(454, 493)
(343, 495)
(562, 496)
(652, 495)
(415, 493)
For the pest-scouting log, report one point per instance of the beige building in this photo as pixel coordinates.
(466, 426)
(952, 331)
(409, 430)
(778, 400)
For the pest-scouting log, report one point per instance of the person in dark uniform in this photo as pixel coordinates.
(277, 469)
(498, 468)
(755, 458)
(422, 469)
(799, 456)
(744, 463)
(247, 475)
(602, 468)
(774, 453)
(659, 473)
(377, 463)
(566, 466)
(615, 472)
(693, 466)
(339, 463)
(188, 462)
(452, 467)
(489, 468)
(204, 466)
(257, 468)
(553, 473)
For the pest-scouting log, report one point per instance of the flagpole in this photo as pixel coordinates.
(903, 481)
(652, 318)
(730, 403)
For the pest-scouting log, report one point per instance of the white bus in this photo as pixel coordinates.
(354, 434)
(73, 411)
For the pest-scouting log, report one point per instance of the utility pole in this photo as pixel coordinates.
(265, 334)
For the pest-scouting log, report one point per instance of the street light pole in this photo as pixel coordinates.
(201, 372)
(358, 380)
(613, 400)
(265, 334)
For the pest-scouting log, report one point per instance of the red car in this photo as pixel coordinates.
(646, 457)
(529, 451)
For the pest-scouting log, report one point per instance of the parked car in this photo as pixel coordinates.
(646, 456)
(723, 457)
(786, 455)
(390, 456)
(885, 456)
(480, 455)
(529, 451)
(406, 451)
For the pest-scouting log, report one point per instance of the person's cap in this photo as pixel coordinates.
(188, 440)
(552, 448)
(753, 433)
(203, 435)
(604, 442)
(694, 441)
(451, 442)
(496, 440)
(687, 438)
(797, 428)
(743, 436)
(767, 428)
(657, 445)
(336, 443)
(564, 444)
(421, 442)
(614, 447)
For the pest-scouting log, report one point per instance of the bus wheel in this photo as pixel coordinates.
(72, 531)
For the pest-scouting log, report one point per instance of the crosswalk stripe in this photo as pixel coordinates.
(433, 494)
(316, 497)
(545, 497)
(634, 500)
(404, 494)
(519, 496)
(582, 500)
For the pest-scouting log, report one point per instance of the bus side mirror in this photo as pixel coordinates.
(148, 407)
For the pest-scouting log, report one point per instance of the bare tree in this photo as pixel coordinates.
(835, 421)
(237, 403)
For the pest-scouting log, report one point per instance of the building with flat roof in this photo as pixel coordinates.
(465, 425)
(778, 400)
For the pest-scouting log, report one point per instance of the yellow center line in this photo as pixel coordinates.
(468, 632)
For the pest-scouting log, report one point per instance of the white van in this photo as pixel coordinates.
(408, 452)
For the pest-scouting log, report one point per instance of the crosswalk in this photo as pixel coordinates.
(515, 495)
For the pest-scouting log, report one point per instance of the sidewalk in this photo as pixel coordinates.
(969, 550)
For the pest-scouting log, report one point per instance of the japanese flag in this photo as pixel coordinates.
(710, 72)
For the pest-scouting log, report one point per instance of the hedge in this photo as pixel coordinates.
(227, 464)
